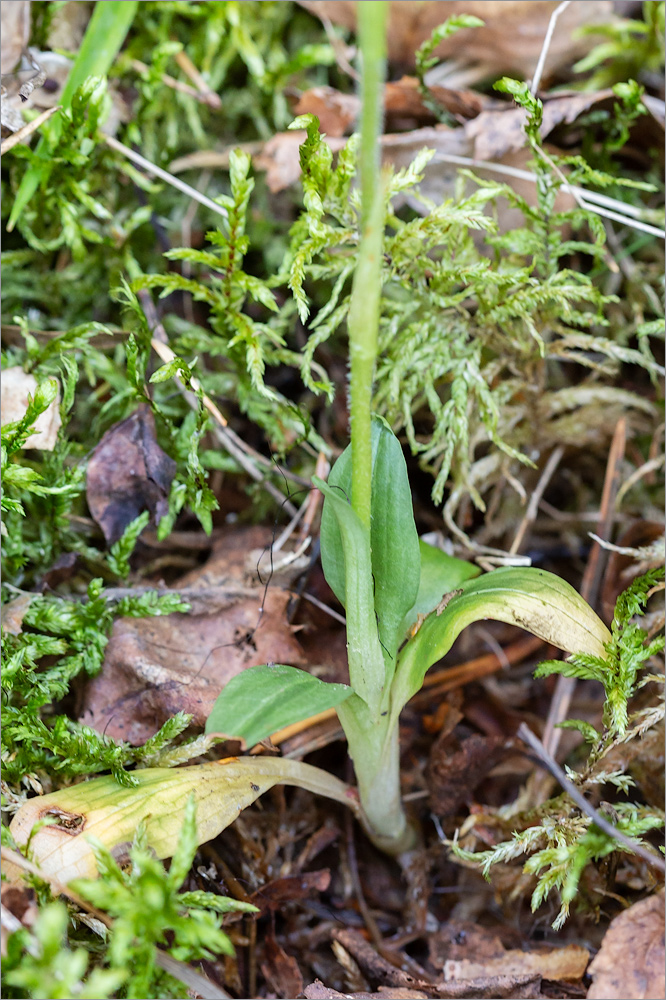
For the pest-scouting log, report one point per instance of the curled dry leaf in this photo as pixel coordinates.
(128, 473)
(111, 812)
(510, 40)
(630, 962)
(17, 385)
(338, 112)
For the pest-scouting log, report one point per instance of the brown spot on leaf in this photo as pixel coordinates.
(73, 823)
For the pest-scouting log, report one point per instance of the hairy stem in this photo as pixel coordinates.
(364, 307)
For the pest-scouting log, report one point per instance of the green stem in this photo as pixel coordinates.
(372, 736)
(373, 744)
(364, 308)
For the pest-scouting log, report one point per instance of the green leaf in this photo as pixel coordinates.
(261, 700)
(106, 31)
(394, 543)
(533, 599)
(440, 574)
(367, 669)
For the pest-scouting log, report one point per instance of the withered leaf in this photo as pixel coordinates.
(455, 770)
(280, 969)
(17, 385)
(630, 962)
(155, 667)
(13, 613)
(317, 991)
(128, 473)
(273, 895)
(497, 132)
(567, 963)
(509, 41)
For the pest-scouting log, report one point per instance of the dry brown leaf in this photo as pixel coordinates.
(128, 473)
(454, 770)
(14, 33)
(13, 613)
(497, 132)
(630, 962)
(155, 667)
(280, 969)
(17, 385)
(336, 111)
(273, 895)
(509, 42)
(317, 991)
(19, 909)
(567, 963)
(458, 939)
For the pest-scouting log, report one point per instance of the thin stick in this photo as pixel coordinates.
(164, 175)
(582, 195)
(188, 67)
(167, 355)
(352, 860)
(535, 499)
(449, 678)
(209, 98)
(525, 733)
(536, 79)
(591, 579)
(23, 133)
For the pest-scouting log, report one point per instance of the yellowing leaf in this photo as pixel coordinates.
(532, 599)
(111, 812)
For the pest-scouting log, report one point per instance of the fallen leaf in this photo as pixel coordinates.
(566, 963)
(273, 895)
(62, 569)
(13, 613)
(19, 909)
(630, 962)
(336, 111)
(317, 991)
(497, 132)
(279, 157)
(17, 385)
(510, 40)
(280, 969)
(112, 812)
(458, 939)
(128, 473)
(14, 33)
(155, 667)
(454, 770)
